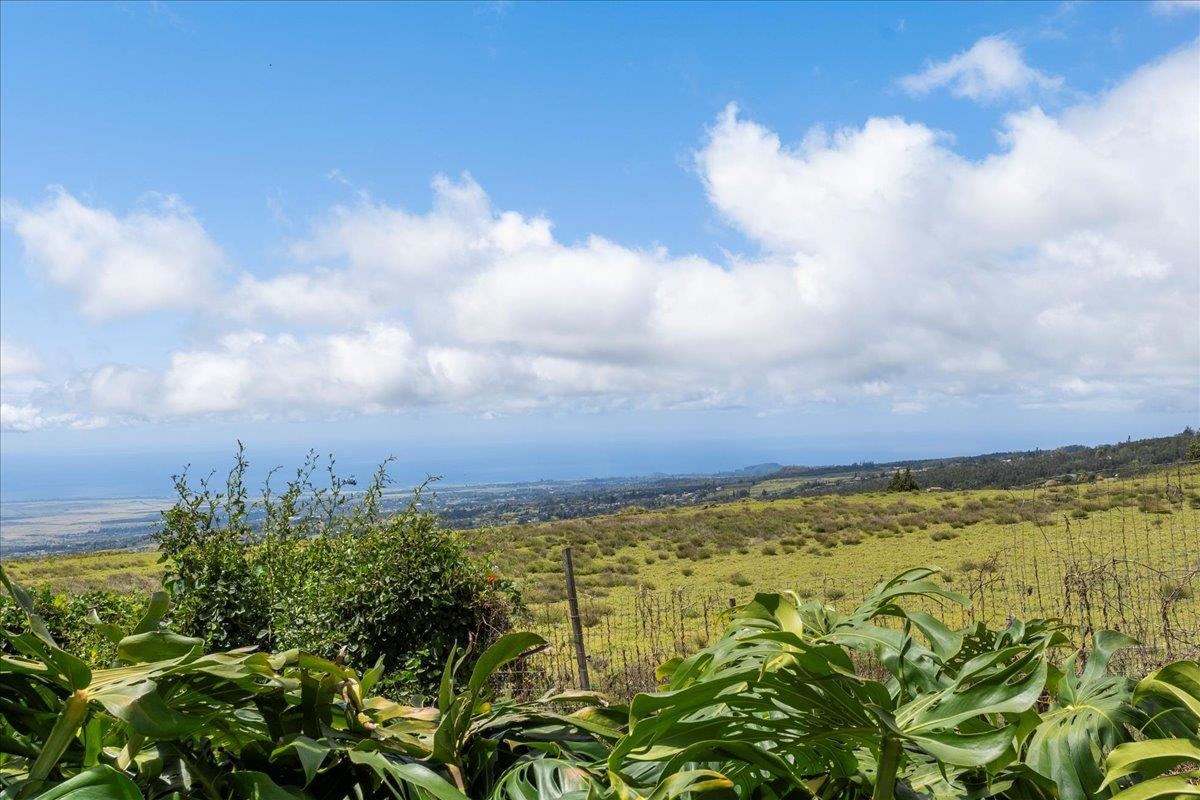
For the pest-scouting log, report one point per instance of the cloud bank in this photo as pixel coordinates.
(1062, 270)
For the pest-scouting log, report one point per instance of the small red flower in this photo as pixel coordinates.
(491, 578)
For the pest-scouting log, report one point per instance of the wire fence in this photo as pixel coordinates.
(1133, 568)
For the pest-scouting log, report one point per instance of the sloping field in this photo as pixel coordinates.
(1121, 554)
(111, 570)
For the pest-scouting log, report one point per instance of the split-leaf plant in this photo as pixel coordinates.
(779, 707)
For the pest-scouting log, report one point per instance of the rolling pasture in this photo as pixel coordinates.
(1118, 553)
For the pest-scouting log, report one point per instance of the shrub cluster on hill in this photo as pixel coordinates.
(1005, 470)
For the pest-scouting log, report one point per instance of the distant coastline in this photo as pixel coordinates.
(39, 527)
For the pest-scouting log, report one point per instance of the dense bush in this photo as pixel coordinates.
(72, 619)
(317, 568)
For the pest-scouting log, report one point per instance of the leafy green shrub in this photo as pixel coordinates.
(316, 568)
(70, 619)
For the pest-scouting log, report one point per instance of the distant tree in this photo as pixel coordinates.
(903, 481)
(1194, 450)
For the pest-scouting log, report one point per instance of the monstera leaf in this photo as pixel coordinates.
(1171, 696)
(776, 704)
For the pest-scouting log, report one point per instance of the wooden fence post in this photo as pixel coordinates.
(576, 626)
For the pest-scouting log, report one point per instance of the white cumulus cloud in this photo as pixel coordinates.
(992, 68)
(153, 258)
(957, 262)
(1063, 269)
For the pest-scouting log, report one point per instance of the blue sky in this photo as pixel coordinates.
(918, 229)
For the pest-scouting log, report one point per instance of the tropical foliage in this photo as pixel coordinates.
(796, 700)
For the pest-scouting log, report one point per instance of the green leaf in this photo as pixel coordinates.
(98, 783)
(1149, 758)
(108, 630)
(699, 780)
(143, 648)
(966, 749)
(73, 716)
(446, 685)
(978, 690)
(1168, 787)
(74, 670)
(544, 779)
(312, 755)
(160, 604)
(26, 603)
(1179, 683)
(257, 786)
(507, 648)
(372, 676)
(142, 707)
(1091, 713)
(406, 773)
(944, 642)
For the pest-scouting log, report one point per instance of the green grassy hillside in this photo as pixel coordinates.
(844, 539)
(118, 571)
(1109, 553)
